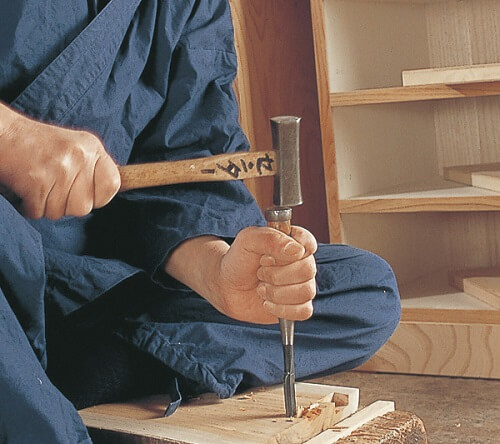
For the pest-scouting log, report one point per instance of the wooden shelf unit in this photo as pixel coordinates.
(384, 166)
(383, 159)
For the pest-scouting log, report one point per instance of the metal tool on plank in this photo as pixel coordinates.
(287, 193)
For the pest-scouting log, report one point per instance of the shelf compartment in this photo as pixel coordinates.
(442, 332)
(452, 75)
(435, 195)
(400, 94)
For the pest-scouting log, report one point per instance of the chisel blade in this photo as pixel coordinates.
(289, 384)
(287, 333)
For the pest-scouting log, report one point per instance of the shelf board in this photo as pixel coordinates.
(452, 75)
(414, 93)
(432, 298)
(435, 195)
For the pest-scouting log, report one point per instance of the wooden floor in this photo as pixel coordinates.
(454, 410)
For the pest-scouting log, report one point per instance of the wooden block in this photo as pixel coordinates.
(457, 276)
(253, 417)
(482, 283)
(463, 173)
(452, 75)
(489, 180)
(349, 425)
(484, 176)
(392, 428)
(486, 289)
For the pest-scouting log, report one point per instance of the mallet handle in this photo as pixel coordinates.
(223, 167)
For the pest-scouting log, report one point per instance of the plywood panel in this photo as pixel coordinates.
(441, 349)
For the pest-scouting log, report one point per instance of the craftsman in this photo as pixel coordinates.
(99, 290)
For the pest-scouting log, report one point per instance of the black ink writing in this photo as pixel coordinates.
(264, 163)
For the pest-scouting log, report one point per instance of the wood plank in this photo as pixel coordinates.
(486, 289)
(450, 315)
(415, 205)
(457, 277)
(440, 348)
(430, 195)
(488, 180)
(253, 417)
(465, 173)
(482, 283)
(452, 75)
(393, 427)
(326, 120)
(413, 94)
(349, 425)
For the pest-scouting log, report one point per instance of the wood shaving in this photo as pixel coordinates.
(249, 396)
(309, 412)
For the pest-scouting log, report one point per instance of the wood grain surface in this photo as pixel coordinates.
(441, 348)
(398, 94)
(252, 417)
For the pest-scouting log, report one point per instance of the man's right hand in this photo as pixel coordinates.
(55, 171)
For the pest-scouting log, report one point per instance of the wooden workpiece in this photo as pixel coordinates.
(253, 417)
(391, 428)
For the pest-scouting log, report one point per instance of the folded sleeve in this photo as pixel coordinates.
(199, 118)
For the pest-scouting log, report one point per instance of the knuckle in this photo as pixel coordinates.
(89, 139)
(271, 293)
(306, 311)
(80, 209)
(310, 268)
(311, 288)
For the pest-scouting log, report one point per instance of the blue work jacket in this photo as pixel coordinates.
(154, 80)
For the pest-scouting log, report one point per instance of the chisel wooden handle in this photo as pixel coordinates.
(223, 167)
